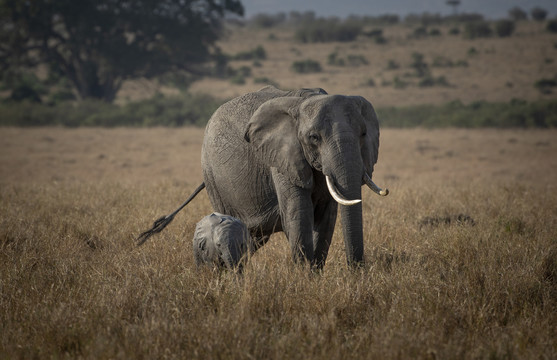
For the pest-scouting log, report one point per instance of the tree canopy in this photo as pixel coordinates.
(97, 44)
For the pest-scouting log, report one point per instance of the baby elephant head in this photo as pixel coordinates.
(221, 240)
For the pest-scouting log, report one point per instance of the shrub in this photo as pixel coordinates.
(419, 32)
(374, 33)
(477, 30)
(24, 86)
(454, 31)
(357, 60)
(441, 61)
(419, 65)
(380, 40)
(267, 21)
(61, 96)
(472, 51)
(306, 66)
(521, 114)
(538, 14)
(392, 65)
(159, 110)
(435, 32)
(518, 14)
(430, 81)
(398, 83)
(25, 92)
(257, 53)
(545, 86)
(369, 82)
(552, 26)
(179, 79)
(326, 31)
(334, 60)
(238, 80)
(504, 28)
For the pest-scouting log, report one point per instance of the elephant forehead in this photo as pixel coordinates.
(330, 106)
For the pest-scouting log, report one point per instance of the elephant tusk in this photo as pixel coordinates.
(335, 194)
(376, 189)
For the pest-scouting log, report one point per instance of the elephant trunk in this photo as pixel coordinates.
(352, 231)
(348, 172)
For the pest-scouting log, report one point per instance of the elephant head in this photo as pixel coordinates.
(332, 134)
(221, 240)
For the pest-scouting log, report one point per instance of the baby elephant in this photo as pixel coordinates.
(221, 240)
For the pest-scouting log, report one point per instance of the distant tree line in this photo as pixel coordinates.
(295, 18)
(311, 28)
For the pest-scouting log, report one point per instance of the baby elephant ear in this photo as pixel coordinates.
(273, 132)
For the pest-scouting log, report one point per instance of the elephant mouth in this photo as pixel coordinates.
(337, 195)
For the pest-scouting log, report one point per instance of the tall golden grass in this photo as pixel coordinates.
(74, 285)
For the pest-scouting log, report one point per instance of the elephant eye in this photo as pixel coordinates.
(364, 133)
(314, 138)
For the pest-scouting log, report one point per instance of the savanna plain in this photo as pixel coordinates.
(461, 257)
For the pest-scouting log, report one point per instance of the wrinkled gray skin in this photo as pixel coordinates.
(265, 156)
(220, 240)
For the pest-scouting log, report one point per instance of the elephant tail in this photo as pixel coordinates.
(163, 221)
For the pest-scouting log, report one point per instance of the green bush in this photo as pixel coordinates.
(477, 29)
(552, 26)
(369, 83)
(545, 86)
(504, 28)
(398, 83)
(392, 65)
(351, 59)
(306, 66)
(334, 60)
(518, 14)
(327, 31)
(257, 53)
(538, 14)
(160, 110)
(454, 31)
(430, 81)
(357, 60)
(238, 79)
(419, 65)
(515, 114)
(374, 33)
(419, 32)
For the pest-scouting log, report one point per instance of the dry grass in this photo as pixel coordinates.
(501, 70)
(72, 283)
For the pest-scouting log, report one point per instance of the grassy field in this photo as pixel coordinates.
(74, 285)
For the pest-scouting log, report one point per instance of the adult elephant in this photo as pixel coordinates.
(280, 161)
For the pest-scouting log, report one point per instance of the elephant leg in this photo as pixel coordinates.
(323, 229)
(296, 212)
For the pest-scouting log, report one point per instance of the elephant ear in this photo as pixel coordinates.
(272, 130)
(370, 146)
